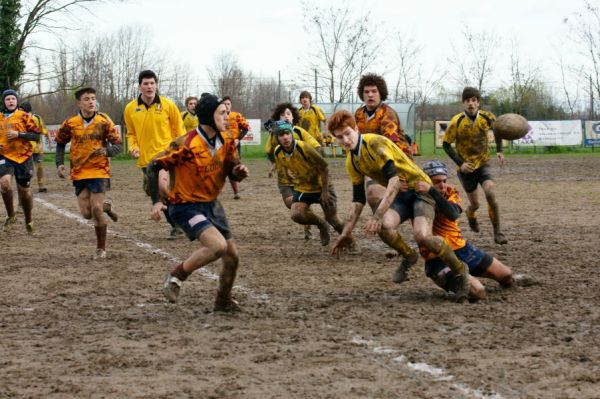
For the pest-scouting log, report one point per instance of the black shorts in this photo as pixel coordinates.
(470, 181)
(21, 171)
(410, 204)
(194, 218)
(314, 198)
(38, 157)
(100, 185)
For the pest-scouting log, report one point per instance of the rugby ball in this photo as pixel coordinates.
(510, 127)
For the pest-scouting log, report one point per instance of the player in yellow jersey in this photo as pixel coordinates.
(237, 127)
(201, 161)
(469, 131)
(309, 172)
(377, 157)
(287, 112)
(311, 118)
(17, 131)
(448, 209)
(93, 139)
(190, 120)
(38, 147)
(153, 122)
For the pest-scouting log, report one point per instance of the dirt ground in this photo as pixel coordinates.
(312, 326)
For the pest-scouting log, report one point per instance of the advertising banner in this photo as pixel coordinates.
(592, 133)
(550, 133)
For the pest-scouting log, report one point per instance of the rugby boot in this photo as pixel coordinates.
(171, 288)
(227, 306)
(401, 273)
(462, 285)
(324, 234)
(499, 238)
(30, 229)
(473, 224)
(8, 222)
(100, 254)
(307, 232)
(107, 208)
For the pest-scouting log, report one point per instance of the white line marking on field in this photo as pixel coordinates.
(144, 245)
(437, 373)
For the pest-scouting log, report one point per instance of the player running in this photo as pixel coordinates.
(93, 139)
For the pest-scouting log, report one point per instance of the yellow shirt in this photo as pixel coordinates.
(303, 166)
(272, 143)
(150, 129)
(471, 137)
(190, 121)
(85, 138)
(38, 146)
(311, 120)
(17, 150)
(374, 151)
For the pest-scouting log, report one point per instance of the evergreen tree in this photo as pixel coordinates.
(11, 64)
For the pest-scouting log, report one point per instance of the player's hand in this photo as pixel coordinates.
(61, 171)
(12, 134)
(240, 171)
(272, 171)
(466, 168)
(422, 187)
(135, 153)
(501, 159)
(236, 142)
(99, 152)
(157, 210)
(325, 196)
(403, 186)
(341, 243)
(373, 225)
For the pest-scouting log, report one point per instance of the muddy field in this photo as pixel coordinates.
(312, 326)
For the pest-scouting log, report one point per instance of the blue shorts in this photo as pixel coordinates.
(197, 217)
(100, 185)
(477, 260)
(22, 171)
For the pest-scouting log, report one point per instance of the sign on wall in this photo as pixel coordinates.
(253, 136)
(592, 133)
(550, 133)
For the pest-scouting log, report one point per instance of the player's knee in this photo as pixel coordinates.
(5, 186)
(477, 291)
(219, 249)
(424, 238)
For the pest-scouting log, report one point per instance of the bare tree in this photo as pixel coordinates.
(346, 47)
(571, 85)
(524, 80)
(474, 59)
(407, 51)
(226, 76)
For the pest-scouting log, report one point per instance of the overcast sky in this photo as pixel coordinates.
(269, 36)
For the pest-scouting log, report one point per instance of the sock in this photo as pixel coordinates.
(398, 243)
(179, 272)
(100, 236)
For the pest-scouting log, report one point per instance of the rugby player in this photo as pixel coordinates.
(201, 160)
(377, 157)
(17, 131)
(93, 139)
(469, 131)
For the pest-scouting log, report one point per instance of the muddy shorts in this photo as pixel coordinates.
(477, 260)
(314, 198)
(410, 204)
(286, 191)
(21, 171)
(197, 217)
(94, 185)
(470, 180)
(38, 157)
